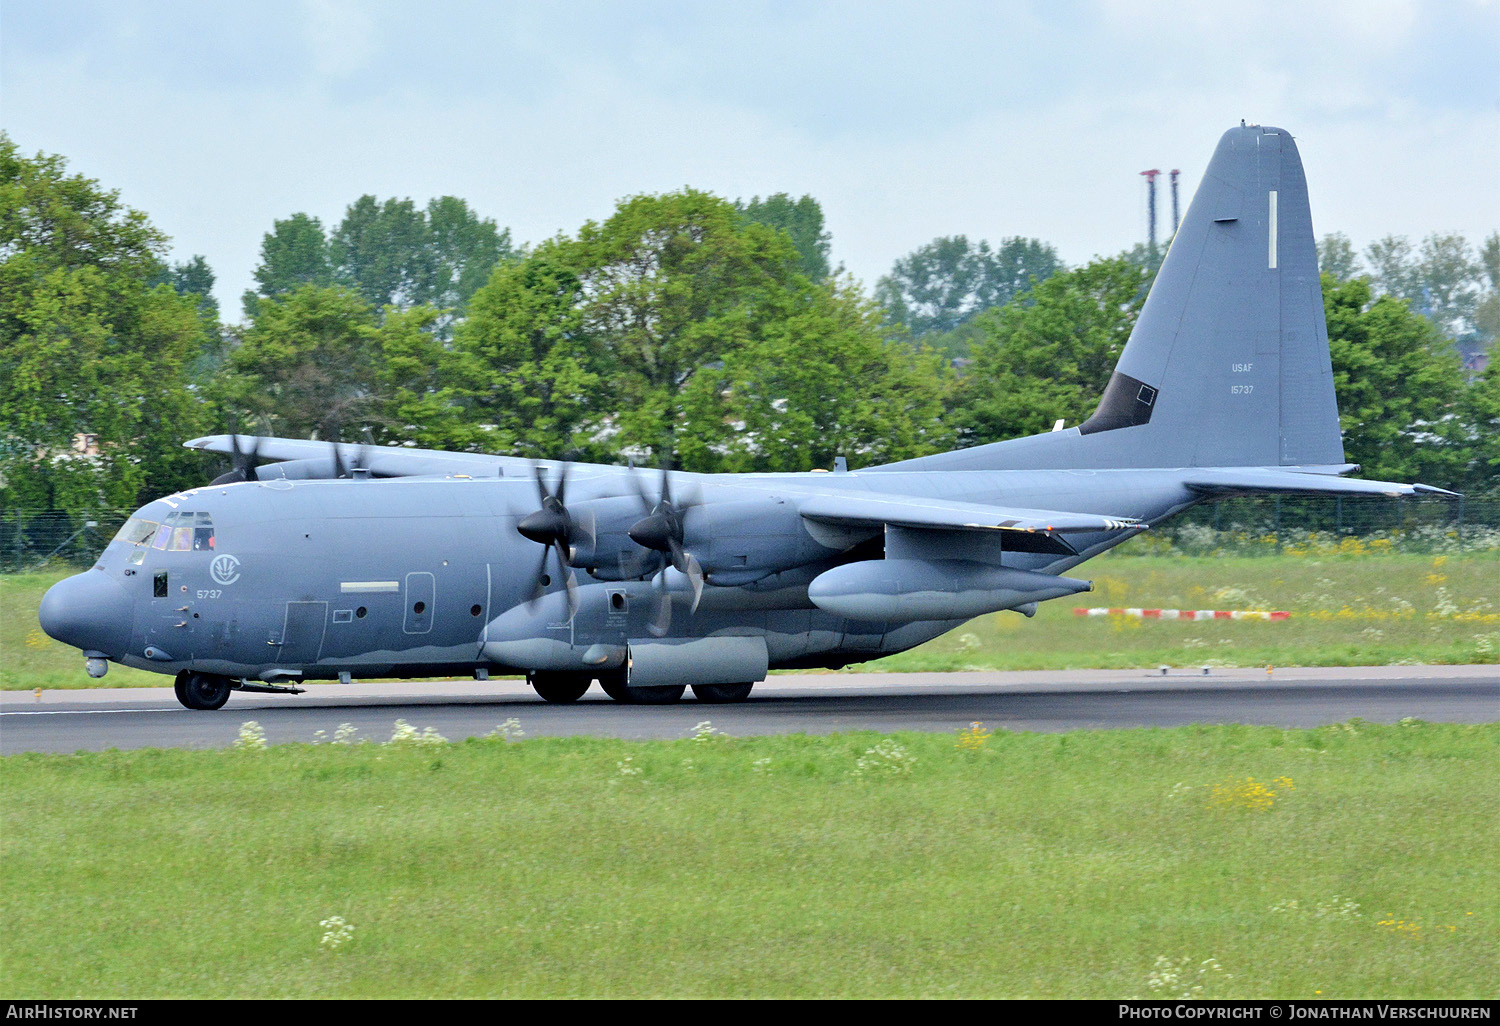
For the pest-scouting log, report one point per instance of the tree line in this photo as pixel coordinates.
(713, 334)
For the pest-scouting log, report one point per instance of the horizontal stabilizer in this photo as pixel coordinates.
(1249, 480)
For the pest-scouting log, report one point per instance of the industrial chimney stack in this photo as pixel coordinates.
(1175, 173)
(1151, 207)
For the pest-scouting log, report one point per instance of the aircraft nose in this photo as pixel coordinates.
(90, 611)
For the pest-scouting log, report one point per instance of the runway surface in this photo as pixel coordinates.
(94, 720)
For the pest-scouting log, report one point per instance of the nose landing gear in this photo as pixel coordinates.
(202, 690)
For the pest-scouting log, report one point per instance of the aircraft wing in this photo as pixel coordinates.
(382, 460)
(1034, 530)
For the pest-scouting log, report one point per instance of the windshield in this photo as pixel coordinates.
(137, 531)
(181, 531)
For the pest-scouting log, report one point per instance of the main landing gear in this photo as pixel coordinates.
(565, 688)
(615, 687)
(561, 688)
(722, 694)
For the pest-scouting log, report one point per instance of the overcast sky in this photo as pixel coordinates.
(905, 120)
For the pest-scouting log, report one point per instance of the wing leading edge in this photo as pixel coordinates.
(1019, 529)
(381, 460)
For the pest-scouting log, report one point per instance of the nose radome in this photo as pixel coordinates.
(90, 611)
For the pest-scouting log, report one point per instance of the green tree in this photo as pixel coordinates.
(525, 366)
(309, 362)
(91, 343)
(937, 287)
(293, 254)
(1482, 416)
(1442, 279)
(1400, 387)
(821, 382)
(1489, 261)
(1336, 256)
(417, 388)
(195, 278)
(679, 322)
(466, 249)
(802, 220)
(1048, 355)
(385, 251)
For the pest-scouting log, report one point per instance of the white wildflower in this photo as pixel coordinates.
(510, 730)
(252, 737)
(887, 758)
(336, 933)
(706, 731)
(406, 734)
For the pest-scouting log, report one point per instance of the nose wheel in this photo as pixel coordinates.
(202, 691)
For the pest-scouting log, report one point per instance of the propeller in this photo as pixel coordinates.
(553, 527)
(360, 465)
(662, 530)
(243, 461)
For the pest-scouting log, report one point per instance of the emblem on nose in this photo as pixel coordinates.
(225, 569)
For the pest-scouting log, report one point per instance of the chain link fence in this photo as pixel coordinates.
(32, 538)
(1268, 525)
(1263, 525)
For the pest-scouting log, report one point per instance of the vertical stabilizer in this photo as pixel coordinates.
(1228, 364)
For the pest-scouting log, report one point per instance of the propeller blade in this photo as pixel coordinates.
(242, 461)
(540, 587)
(570, 582)
(666, 483)
(647, 505)
(695, 577)
(633, 565)
(661, 606)
(583, 534)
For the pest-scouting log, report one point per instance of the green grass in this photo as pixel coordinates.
(1347, 611)
(1041, 865)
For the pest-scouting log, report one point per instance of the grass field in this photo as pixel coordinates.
(1347, 610)
(1349, 861)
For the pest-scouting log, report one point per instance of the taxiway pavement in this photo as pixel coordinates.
(97, 719)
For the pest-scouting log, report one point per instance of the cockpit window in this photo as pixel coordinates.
(185, 531)
(137, 531)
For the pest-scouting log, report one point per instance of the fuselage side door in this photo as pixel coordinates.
(302, 633)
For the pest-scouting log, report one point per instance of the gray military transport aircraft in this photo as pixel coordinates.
(336, 562)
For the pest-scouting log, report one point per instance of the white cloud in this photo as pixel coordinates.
(339, 35)
(905, 126)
